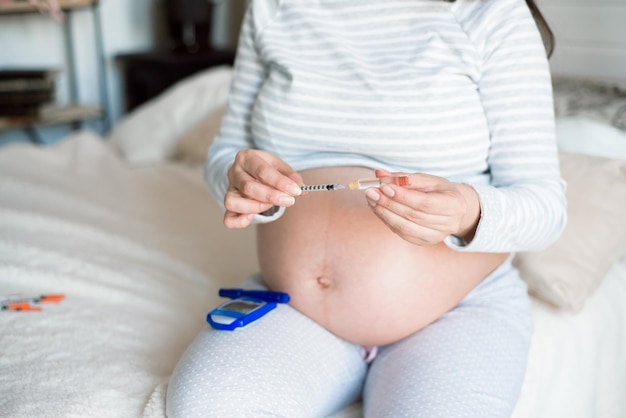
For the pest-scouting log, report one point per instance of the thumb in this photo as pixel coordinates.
(295, 176)
(426, 182)
(381, 173)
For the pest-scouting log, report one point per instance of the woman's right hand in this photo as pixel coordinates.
(258, 181)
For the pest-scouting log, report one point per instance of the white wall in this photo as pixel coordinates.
(128, 26)
(590, 37)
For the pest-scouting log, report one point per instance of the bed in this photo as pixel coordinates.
(124, 228)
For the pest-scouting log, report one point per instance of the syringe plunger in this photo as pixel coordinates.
(362, 184)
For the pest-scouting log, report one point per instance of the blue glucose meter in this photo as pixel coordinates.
(245, 307)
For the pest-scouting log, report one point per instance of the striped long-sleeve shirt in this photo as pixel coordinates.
(459, 90)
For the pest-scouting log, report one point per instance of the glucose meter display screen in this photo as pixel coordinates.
(241, 306)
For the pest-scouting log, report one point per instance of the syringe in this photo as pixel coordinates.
(359, 184)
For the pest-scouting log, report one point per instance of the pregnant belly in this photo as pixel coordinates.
(347, 271)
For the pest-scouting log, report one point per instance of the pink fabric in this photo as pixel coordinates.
(368, 353)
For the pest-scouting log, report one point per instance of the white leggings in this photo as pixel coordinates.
(469, 363)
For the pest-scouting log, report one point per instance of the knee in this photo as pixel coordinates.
(211, 385)
(184, 396)
(198, 386)
(174, 402)
(201, 394)
(232, 401)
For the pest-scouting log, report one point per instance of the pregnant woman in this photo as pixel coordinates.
(403, 295)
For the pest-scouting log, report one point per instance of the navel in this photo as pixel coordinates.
(324, 282)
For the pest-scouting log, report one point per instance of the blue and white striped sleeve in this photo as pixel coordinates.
(524, 207)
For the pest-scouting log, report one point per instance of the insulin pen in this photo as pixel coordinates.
(359, 184)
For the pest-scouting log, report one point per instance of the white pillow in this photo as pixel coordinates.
(585, 136)
(567, 272)
(194, 145)
(149, 134)
(570, 270)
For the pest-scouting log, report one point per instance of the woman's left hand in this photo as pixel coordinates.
(427, 210)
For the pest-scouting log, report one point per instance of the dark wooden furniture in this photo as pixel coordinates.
(148, 74)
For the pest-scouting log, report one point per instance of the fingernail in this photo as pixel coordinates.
(387, 190)
(372, 196)
(286, 200)
(294, 190)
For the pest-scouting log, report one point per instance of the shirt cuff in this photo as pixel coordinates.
(455, 242)
(491, 213)
(269, 215)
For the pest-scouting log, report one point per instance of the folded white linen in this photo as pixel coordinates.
(150, 133)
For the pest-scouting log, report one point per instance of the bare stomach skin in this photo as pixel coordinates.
(344, 268)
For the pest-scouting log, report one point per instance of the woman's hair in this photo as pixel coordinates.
(542, 25)
(544, 28)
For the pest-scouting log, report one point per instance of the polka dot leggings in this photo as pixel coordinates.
(469, 363)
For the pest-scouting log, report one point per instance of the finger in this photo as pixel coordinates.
(236, 203)
(438, 202)
(382, 173)
(427, 182)
(275, 174)
(407, 230)
(296, 177)
(252, 189)
(415, 207)
(392, 197)
(237, 220)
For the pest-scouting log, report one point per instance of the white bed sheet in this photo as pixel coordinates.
(140, 254)
(134, 252)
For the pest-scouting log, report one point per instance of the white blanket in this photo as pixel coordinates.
(140, 254)
(133, 252)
